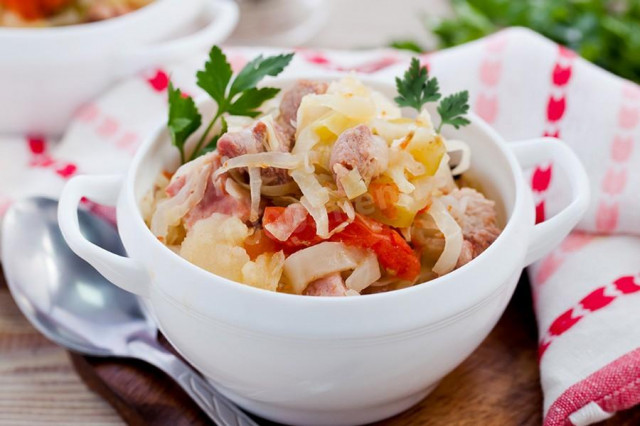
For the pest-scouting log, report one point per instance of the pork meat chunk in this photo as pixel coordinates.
(290, 103)
(331, 285)
(357, 148)
(194, 194)
(254, 139)
(476, 215)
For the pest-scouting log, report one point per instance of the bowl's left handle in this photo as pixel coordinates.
(548, 234)
(222, 17)
(125, 272)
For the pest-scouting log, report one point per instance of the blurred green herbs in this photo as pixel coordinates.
(606, 32)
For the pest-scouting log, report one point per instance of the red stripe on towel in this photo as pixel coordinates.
(614, 387)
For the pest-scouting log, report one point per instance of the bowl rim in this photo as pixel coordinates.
(519, 204)
(83, 28)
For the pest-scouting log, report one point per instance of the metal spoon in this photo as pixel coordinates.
(73, 305)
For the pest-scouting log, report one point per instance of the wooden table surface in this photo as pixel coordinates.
(497, 385)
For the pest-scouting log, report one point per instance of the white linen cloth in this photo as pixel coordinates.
(586, 293)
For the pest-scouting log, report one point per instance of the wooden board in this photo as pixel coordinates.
(497, 385)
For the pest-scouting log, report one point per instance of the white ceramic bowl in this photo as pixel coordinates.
(47, 73)
(319, 360)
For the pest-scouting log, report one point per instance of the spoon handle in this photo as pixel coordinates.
(222, 411)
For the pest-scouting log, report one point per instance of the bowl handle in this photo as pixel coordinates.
(125, 272)
(548, 234)
(222, 17)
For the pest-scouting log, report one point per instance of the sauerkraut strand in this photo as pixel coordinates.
(461, 151)
(303, 266)
(319, 215)
(278, 160)
(452, 238)
(278, 190)
(255, 183)
(366, 273)
(316, 194)
(191, 179)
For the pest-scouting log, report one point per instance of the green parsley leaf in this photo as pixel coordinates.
(416, 88)
(239, 96)
(250, 100)
(256, 70)
(216, 75)
(184, 118)
(452, 110)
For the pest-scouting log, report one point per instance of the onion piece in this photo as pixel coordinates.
(279, 190)
(348, 209)
(272, 138)
(319, 215)
(318, 261)
(255, 182)
(443, 177)
(452, 238)
(357, 107)
(396, 173)
(353, 184)
(365, 274)
(268, 190)
(316, 194)
(171, 210)
(235, 189)
(278, 160)
(306, 139)
(282, 228)
(465, 155)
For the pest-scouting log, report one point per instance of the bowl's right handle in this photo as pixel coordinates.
(125, 272)
(548, 234)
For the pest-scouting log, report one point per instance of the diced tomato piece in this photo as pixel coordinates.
(393, 252)
(305, 234)
(34, 9)
(259, 243)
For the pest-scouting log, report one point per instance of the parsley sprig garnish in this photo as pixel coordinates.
(452, 110)
(238, 96)
(184, 118)
(415, 89)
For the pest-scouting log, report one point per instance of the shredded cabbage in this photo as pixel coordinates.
(452, 238)
(316, 194)
(278, 160)
(304, 266)
(453, 146)
(366, 273)
(319, 215)
(234, 189)
(353, 184)
(255, 183)
(170, 211)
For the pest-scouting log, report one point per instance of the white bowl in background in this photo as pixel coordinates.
(320, 360)
(47, 73)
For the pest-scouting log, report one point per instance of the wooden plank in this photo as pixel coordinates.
(38, 384)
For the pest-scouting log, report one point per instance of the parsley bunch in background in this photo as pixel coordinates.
(605, 32)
